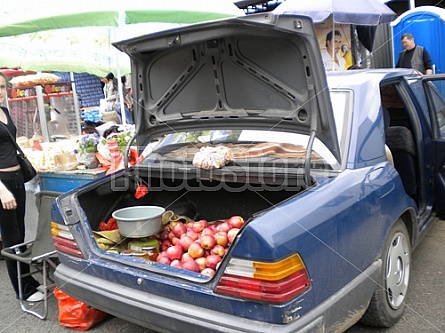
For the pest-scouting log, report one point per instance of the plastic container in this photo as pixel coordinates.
(64, 181)
(139, 221)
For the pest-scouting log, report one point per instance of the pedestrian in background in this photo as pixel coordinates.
(13, 200)
(414, 56)
(109, 90)
(112, 97)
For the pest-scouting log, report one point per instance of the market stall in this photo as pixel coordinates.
(69, 163)
(63, 181)
(43, 107)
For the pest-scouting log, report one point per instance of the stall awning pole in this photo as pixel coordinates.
(76, 104)
(42, 115)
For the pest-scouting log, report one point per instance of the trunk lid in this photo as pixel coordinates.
(262, 72)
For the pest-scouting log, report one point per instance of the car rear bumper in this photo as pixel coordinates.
(166, 315)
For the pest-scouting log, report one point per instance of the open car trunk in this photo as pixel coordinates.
(202, 195)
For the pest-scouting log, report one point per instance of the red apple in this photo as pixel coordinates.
(192, 234)
(225, 227)
(166, 244)
(207, 241)
(221, 238)
(174, 252)
(163, 260)
(190, 265)
(185, 242)
(235, 221)
(232, 234)
(212, 260)
(201, 261)
(164, 235)
(207, 231)
(198, 226)
(189, 225)
(176, 263)
(186, 257)
(175, 240)
(178, 229)
(218, 250)
(173, 223)
(196, 250)
(208, 271)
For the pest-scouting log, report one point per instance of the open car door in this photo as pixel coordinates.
(434, 87)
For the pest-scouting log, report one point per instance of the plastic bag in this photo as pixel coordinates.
(102, 106)
(76, 314)
(88, 159)
(212, 157)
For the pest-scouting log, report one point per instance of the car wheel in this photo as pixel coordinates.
(388, 302)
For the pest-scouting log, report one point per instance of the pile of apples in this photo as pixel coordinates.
(197, 246)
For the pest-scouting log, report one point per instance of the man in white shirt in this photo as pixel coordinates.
(332, 61)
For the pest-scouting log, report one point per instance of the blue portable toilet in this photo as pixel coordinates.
(427, 24)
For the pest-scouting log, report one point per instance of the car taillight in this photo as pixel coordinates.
(64, 240)
(266, 281)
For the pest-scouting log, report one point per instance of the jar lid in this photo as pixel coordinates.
(127, 253)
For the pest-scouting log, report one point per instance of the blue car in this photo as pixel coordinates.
(332, 180)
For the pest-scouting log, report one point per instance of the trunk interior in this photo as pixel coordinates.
(195, 198)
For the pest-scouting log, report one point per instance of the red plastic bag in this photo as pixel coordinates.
(110, 225)
(76, 314)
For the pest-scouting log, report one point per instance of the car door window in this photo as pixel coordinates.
(435, 93)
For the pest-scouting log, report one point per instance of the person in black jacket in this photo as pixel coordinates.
(414, 56)
(13, 200)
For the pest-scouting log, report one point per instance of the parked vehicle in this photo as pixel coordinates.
(337, 178)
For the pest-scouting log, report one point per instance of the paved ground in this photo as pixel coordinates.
(425, 304)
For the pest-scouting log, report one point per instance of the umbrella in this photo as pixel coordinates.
(19, 17)
(87, 48)
(79, 50)
(363, 12)
(67, 50)
(365, 15)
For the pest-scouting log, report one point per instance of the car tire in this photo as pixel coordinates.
(385, 308)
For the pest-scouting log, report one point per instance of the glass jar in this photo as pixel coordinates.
(151, 252)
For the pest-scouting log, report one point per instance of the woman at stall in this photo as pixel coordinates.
(13, 200)
(112, 97)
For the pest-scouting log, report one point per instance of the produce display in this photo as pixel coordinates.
(198, 246)
(79, 152)
(34, 79)
(46, 158)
